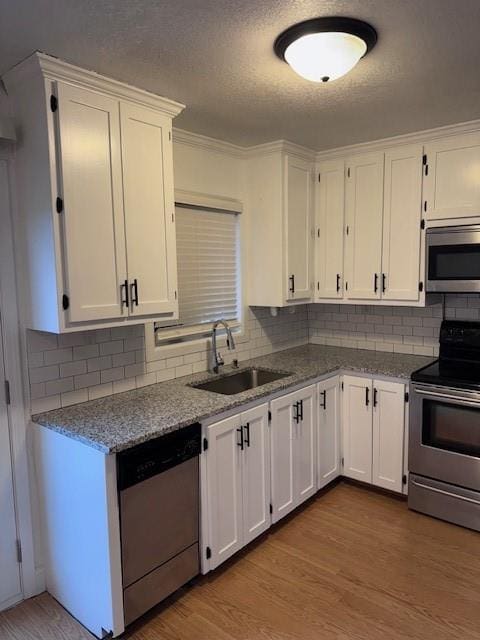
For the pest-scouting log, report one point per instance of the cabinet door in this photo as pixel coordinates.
(149, 210)
(329, 206)
(10, 587)
(401, 223)
(224, 489)
(328, 432)
(92, 220)
(357, 428)
(388, 434)
(282, 455)
(256, 472)
(305, 451)
(298, 204)
(364, 209)
(451, 183)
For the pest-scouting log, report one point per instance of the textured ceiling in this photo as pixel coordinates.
(216, 56)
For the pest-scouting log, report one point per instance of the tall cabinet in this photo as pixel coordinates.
(281, 192)
(95, 195)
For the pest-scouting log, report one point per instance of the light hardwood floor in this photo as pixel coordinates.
(353, 564)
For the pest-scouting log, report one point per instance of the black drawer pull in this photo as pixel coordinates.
(375, 283)
(292, 283)
(324, 396)
(338, 282)
(134, 293)
(367, 396)
(375, 393)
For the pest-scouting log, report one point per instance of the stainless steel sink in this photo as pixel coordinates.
(231, 384)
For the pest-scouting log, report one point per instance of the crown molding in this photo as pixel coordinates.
(280, 146)
(54, 69)
(417, 137)
(180, 136)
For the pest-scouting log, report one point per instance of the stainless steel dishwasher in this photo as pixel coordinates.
(158, 483)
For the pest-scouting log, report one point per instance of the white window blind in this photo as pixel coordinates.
(208, 262)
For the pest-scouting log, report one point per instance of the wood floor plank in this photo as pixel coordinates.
(351, 565)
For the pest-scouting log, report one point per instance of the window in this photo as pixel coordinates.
(208, 265)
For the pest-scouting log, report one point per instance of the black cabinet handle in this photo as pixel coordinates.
(375, 397)
(247, 434)
(384, 282)
(375, 283)
(324, 396)
(338, 282)
(124, 291)
(300, 414)
(240, 431)
(296, 416)
(367, 396)
(134, 293)
(292, 283)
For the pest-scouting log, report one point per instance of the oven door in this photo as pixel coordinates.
(444, 441)
(453, 259)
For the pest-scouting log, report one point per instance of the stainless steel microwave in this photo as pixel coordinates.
(453, 259)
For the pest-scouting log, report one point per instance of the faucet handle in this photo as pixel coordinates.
(220, 360)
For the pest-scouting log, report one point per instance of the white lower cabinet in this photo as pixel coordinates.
(293, 450)
(373, 431)
(388, 434)
(328, 432)
(256, 469)
(237, 482)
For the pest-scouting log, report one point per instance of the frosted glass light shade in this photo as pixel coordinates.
(321, 57)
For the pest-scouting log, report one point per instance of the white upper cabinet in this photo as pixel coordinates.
(95, 198)
(280, 184)
(93, 228)
(364, 209)
(401, 256)
(452, 177)
(149, 206)
(299, 187)
(329, 229)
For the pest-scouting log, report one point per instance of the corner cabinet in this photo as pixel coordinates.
(280, 181)
(329, 432)
(95, 196)
(329, 229)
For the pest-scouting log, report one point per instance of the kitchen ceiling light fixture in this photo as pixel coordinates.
(324, 49)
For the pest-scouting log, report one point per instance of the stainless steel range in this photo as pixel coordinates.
(444, 443)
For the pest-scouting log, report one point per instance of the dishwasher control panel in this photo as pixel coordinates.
(156, 456)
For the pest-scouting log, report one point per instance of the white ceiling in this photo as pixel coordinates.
(216, 56)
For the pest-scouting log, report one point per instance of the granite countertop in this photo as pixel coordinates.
(118, 422)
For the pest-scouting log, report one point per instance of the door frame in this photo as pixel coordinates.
(18, 412)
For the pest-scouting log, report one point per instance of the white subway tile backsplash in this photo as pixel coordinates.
(42, 374)
(85, 351)
(87, 380)
(73, 368)
(57, 356)
(91, 364)
(58, 386)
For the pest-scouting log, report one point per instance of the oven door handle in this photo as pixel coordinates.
(445, 493)
(446, 396)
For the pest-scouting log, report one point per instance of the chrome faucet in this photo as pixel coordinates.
(217, 360)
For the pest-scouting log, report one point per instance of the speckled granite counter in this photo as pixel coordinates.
(118, 422)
